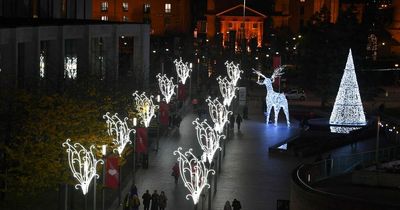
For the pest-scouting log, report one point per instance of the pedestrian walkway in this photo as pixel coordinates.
(248, 172)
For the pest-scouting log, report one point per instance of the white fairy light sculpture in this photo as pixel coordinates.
(167, 87)
(70, 67)
(194, 173)
(227, 89)
(233, 71)
(82, 163)
(145, 107)
(218, 113)
(348, 108)
(274, 99)
(208, 139)
(120, 131)
(42, 65)
(182, 70)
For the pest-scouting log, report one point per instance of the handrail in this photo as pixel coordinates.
(307, 174)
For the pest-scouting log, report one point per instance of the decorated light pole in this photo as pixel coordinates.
(227, 89)
(208, 139)
(82, 163)
(218, 113)
(233, 72)
(182, 70)
(145, 107)
(167, 87)
(121, 132)
(194, 174)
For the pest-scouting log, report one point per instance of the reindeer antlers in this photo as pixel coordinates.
(277, 72)
(258, 73)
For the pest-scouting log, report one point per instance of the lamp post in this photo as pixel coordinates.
(190, 82)
(103, 153)
(145, 107)
(194, 174)
(82, 163)
(121, 132)
(167, 87)
(227, 89)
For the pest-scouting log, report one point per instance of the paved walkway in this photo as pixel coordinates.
(248, 172)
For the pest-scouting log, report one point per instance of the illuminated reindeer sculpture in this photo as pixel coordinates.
(274, 99)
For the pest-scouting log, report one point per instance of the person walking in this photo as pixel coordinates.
(238, 121)
(133, 190)
(227, 206)
(135, 202)
(146, 200)
(127, 202)
(175, 172)
(154, 200)
(163, 201)
(236, 204)
(232, 121)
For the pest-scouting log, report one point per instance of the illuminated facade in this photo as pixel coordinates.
(172, 16)
(394, 29)
(230, 22)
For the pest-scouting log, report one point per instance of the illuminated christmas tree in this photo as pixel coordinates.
(348, 108)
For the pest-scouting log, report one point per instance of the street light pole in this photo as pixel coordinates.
(103, 152)
(377, 142)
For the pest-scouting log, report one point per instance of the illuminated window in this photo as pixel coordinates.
(104, 6)
(125, 6)
(104, 17)
(302, 0)
(124, 18)
(146, 8)
(167, 8)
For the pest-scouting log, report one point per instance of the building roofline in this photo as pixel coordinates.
(241, 5)
(22, 22)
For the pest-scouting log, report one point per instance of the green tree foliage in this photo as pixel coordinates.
(39, 125)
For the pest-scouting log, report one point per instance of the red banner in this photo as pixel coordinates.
(181, 92)
(276, 61)
(112, 172)
(164, 113)
(141, 140)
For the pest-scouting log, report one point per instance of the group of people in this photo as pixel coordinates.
(235, 205)
(153, 201)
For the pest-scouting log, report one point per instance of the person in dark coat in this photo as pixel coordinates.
(154, 200)
(232, 121)
(163, 201)
(175, 172)
(236, 204)
(146, 200)
(133, 190)
(238, 121)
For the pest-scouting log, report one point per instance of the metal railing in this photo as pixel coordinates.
(314, 172)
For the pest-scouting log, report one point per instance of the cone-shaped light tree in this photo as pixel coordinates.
(348, 108)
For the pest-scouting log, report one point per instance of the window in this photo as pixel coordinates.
(104, 6)
(124, 18)
(302, 0)
(255, 25)
(229, 25)
(104, 17)
(167, 8)
(146, 8)
(125, 6)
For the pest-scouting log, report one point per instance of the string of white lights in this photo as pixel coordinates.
(182, 70)
(82, 163)
(193, 172)
(218, 113)
(120, 131)
(167, 87)
(208, 138)
(227, 89)
(348, 108)
(145, 107)
(233, 71)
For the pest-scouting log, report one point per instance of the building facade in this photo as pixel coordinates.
(54, 53)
